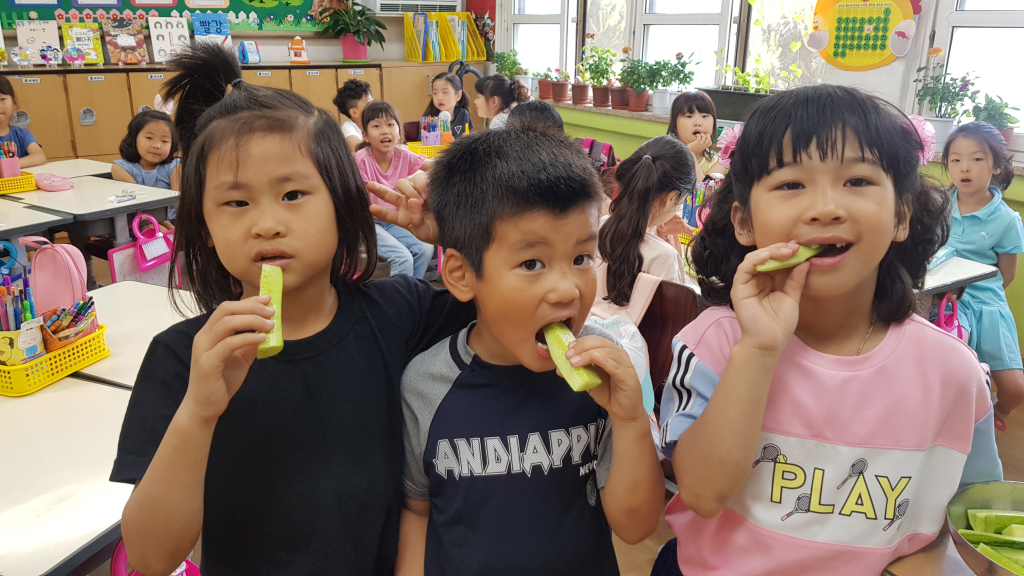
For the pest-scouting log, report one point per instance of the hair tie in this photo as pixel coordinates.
(236, 82)
(647, 157)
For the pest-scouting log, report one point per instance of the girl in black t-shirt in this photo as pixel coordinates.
(446, 95)
(290, 464)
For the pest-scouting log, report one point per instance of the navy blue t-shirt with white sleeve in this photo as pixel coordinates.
(512, 462)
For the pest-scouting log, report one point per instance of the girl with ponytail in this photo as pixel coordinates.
(497, 95)
(651, 186)
(287, 460)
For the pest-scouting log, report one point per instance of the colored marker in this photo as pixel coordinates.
(82, 311)
(31, 300)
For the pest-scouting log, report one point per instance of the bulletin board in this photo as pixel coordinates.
(862, 34)
(280, 15)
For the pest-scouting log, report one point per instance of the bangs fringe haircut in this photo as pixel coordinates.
(821, 120)
(985, 134)
(456, 84)
(694, 102)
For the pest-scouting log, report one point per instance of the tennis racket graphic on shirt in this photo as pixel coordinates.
(769, 453)
(901, 510)
(803, 506)
(858, 468)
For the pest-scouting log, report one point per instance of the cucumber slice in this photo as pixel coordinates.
(1014, 531)
(977, 538)
(803, 254)
(1001, 560)
(994, 521)
(558, 337)
(272, 284)
(1011, 553)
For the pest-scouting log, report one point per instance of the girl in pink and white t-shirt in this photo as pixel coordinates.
(815, 424)
(381, 160)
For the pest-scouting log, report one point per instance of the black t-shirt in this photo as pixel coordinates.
(305, 468)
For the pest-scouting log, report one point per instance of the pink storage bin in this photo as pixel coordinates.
(10, 168)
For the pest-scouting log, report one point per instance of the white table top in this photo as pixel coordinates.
(72, 168)
(58, 449)
(18, 219)
(120, 307)
(89, 198)
(956, 273)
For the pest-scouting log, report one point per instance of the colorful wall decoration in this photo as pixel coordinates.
(484, 13)
(863, 34)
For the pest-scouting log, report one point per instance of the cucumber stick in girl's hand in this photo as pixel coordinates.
(558, 338)
(803, 254)
(272, 284)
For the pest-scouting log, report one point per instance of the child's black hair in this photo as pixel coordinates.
(495, 174)
(129, 148)
(456, 83)
(379, 109)
(509, 91)
(536, 115)
(985, 134)
(205, 73)
(7, 89)
(658, 167)
(694, 102)
(350, 93)
(829, 121)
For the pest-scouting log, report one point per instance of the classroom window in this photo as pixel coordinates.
(972, 49)
(663, 41)
(773, 25)
(674, 6)
(990, 5)
(537, 46)
(607, 20)
(543, 33)
(537, 7)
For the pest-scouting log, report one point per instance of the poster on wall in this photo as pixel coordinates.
(484, 12)
(85, 37)
(36, 34)
(125, 41)
(862, 34)
(169, 36)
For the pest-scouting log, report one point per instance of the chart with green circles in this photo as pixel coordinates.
(862, 34)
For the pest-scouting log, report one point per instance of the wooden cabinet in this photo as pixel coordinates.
(144, 87)
(269, 78)
(369, 75)
(100, 111)
(42, 99)
(319, 86)
(407, 88)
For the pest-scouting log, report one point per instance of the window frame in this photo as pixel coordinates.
(567, 15)
(641, 19)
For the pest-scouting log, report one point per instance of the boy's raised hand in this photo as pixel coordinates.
(222, 353)
(412, 208)
(620, 393)
(767, 304)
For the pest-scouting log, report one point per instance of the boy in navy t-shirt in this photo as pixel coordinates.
(508, 470)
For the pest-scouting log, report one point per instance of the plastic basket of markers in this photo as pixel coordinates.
(24, 183)
(48, 348)
(428, 151)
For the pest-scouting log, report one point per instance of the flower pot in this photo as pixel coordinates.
(535, 87)
(734, 105)
(351, 50)
(1006, 132)
(620, 97)
(672, 97)
(545, 89)
(638, 102)
(560, 91)
(943, 126)
(602, 97)
(660, 102)
(581, 93)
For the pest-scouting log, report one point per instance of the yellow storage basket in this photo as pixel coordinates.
(52, 366)
(428, 151)
(24, 183)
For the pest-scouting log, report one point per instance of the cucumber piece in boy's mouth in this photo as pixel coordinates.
(558, 338)
(272, 284)
(803, 254)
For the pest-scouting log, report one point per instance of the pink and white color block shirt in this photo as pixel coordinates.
(857, 459)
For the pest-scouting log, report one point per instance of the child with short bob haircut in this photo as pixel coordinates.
(986, 230)
(380, 159)
(148, 152)
(446, 95)
(786, 413)
(289, 464)
(694, 122)
(30, 151)
(353, 96)
(508, 470)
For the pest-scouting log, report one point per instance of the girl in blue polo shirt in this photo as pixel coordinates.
(984, 229)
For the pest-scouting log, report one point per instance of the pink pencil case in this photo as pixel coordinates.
(52, 183)
(10, 168)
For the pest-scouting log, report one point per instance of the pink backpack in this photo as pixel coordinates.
(58, 273)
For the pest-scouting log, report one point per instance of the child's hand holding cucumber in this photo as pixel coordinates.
(222, 353)
(620, 393)
(767, 305)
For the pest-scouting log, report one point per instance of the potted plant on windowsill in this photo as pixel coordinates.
(581, 87)
(357, 28)
(506, 63)
(943, 95)
(560, 86)
(598, 63)
(994, 111)
(544, 84)
(523, 75)
(662, 77)
(681, 76)
(734, 101)
(637, 75)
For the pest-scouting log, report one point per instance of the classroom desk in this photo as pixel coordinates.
(57, 507)
(88, 202)
(954, 275)
(134, 313)
(73, 168)
(17, 220)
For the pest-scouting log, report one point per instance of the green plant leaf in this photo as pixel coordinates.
(795, 45)
(757, 22)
